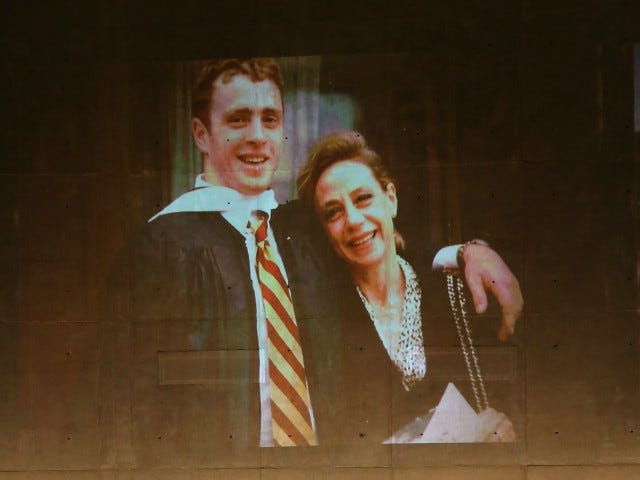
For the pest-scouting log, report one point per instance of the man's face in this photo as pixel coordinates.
(242, 145)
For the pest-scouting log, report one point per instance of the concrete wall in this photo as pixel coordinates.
(534, 134)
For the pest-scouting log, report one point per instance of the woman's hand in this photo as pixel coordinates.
(496, 427)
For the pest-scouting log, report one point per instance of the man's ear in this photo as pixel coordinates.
(200, 135)
(390, 191)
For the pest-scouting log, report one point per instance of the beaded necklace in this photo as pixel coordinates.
(407, 353)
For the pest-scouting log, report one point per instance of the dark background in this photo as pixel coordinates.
(508, 121)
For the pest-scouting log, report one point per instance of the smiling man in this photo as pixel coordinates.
(227, 296)
(221, 285)
(241, 136)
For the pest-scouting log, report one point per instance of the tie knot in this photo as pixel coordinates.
(260, 227)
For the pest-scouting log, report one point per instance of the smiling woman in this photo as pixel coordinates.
(355, 200)
(357, 213)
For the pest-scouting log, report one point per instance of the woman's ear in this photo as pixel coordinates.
(390, 192)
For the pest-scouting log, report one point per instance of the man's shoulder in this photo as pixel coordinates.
(161, 247)
(191, 228)
(174, 220)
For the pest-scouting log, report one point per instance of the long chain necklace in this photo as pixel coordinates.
(457, 299)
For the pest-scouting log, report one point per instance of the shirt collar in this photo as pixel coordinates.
(206, 197)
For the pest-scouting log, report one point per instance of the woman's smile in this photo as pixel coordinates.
(361, 240)
(357, 213)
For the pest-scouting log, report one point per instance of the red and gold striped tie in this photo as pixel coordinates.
(290, 413)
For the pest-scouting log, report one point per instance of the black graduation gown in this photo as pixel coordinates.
(182, 285)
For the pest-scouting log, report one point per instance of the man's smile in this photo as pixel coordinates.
(253, 159)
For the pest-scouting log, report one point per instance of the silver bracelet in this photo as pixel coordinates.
(460, 252)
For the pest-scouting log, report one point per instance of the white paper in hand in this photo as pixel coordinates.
(454, 421)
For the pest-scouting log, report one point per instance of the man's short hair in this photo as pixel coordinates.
(257, 69)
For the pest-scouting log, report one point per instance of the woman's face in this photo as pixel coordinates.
(357, 213)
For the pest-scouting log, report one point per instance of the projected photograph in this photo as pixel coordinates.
(274, 298)
(398, 262)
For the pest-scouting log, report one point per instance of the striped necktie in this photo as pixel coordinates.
(289, 394)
